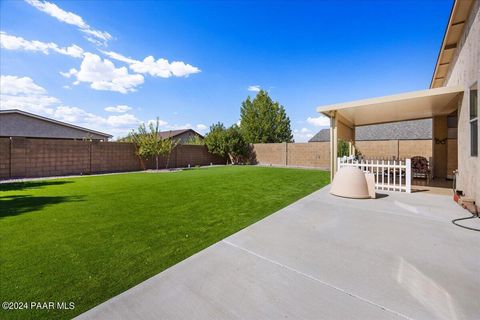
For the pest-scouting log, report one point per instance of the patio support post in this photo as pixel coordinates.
(408, 176)
(333, 144)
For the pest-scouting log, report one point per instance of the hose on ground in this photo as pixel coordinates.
(454, 221)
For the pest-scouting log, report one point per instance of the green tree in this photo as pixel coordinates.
(227, 142)
(215, 140)
(343, 148)
(264, 121)
(149, 143)
(237, 147)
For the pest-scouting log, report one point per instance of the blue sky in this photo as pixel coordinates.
(109, 65)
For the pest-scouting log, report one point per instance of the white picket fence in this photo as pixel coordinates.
(392, 175)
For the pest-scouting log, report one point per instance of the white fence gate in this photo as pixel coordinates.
(392, 175)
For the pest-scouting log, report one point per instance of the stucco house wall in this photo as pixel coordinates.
(465, 71)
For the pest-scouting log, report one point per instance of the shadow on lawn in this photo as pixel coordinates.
(16, 186)
(15, 205)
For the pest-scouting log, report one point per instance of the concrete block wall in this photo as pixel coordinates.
(312, 154)
(317, 154)
(194, 155)
(270, 153)
(113, 156)
(18, 157)
(411, 148)
(4, 158)
(46, 157)
(378, 149)
(395, 148)
(25, 158)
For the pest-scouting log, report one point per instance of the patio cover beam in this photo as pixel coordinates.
(400, 107)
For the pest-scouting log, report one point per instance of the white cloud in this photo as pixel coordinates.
(255, 88)
(302, 135)
(157, 68)
(103, 75)
(320, 121)
(201, 128)
(72, 19)
(119, 57)
(10, 42)
(123, 120)
(24, 94)
(161, 123)
(165, 126)
(16, 85)
(76, 115)
(118, 109)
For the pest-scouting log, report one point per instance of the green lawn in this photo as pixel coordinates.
(85, 240)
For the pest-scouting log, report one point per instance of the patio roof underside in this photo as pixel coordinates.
(406, 106)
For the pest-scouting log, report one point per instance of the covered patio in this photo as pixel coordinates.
(439, 104)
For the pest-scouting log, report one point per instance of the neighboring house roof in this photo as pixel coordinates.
(456, 23)
(26, 124)
(405, 130)
(321, 136)
(176, 133)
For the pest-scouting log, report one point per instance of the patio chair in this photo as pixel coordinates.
(420, 168)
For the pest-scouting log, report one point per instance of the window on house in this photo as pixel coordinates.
(474, 122)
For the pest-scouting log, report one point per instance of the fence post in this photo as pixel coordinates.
(408, 176)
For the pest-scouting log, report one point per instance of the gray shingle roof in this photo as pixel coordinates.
(174, 133)
(321, 136)
(404, 130)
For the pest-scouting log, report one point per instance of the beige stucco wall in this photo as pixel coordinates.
(465, 72)
(345, 132)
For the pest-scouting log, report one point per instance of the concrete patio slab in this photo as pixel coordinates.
(324, 257)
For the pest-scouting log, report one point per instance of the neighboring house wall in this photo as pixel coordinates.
(186, 137)
(465, 71)
(19, 125)
(23, 157)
